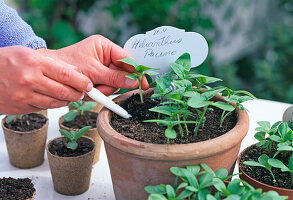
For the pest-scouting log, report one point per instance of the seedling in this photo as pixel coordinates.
(262, 162)
(198, 179)
(73, 136)
(191, 92)
(80, 107)
(279, 164)
(141, 70)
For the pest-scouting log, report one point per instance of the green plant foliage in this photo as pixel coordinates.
(141, 70)
(192, 90)
(11, 118)
(80, 107)
(73, 136)
(196, 182)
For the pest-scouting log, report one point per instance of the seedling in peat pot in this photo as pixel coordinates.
(80, 107)
(141, 70)
(73, 136)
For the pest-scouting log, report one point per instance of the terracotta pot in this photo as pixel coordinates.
(92, 133)
(95, 109)
(134, 164)
(256, 184)
(71, 175)
(25, 149)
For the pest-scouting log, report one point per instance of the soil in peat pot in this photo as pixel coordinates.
(29, 122)
(135, 129)
(80, 121)
(283, 179)
(20, 189)
(58, 147)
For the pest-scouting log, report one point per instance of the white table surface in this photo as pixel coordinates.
(101, 184)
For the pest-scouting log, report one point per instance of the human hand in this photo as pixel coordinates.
(97, 57)
(30, 82)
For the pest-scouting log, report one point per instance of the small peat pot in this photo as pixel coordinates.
(25, 138)
(135, 164)
(88, 118)
(20, 189)
(71, 169)
(260, 173)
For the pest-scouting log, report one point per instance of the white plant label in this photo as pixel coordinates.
(163, 45)
(288, 115)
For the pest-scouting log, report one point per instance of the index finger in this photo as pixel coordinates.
(66, 74)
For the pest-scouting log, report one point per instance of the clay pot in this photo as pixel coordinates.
(25, 149)
(71, 175)
(134, 164)
(92, 133)
(256, 184)
(95, 109)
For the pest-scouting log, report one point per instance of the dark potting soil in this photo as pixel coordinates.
(135, 129)
(29, 122)
(12, 189)
(80, 121)
(58, 147)
(283, 179)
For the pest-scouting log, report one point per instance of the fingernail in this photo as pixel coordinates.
(89, 87)
(130, 82)
(81, 98)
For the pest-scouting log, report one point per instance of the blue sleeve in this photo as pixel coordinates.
(15, 31)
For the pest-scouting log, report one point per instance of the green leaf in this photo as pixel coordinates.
(253, 163)
(184, 194)
(129, 61)
(10, 118)
(170, 133)
(283, 129)
(191, 178)
(76, 104)
(265, 124)
(151, 73)
(87, 106)
(207, 169)
(210, 197)
(234, 187)
(222, 173)
(185, 61)
(263, 159)
(210, 94)
(155, 189)
(219, 185)
(177, 171)
(166, 110)
(260, 136)
(178, 69)
(182, 185)
(170, 192)
(70, 115)
(195, 169)
(278, 164)
(132, 76)
(275, 138)
(206, 180)
(72, 145)
(66, 134)
(291, 164)
(285, 148)
(233, 197)
(81, 132)
(157, 197)
(182, 83)
(163, 83)
(223, 106)
(197, 101)
(142, 68)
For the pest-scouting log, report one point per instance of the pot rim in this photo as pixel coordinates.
(25, 132)
(61, 119)
(254, 180)
(69, 158)
(174, 151)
